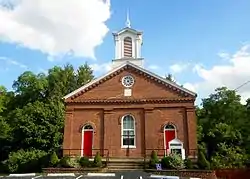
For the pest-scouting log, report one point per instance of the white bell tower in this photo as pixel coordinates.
(128, 43)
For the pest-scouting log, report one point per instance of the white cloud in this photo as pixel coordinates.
(224, 55)
(104, 67)
(178, 67)
(55, 28)
(232, 75)
(190, 87)
(10, 61)
(153, 67)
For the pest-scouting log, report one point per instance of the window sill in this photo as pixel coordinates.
(126, 146)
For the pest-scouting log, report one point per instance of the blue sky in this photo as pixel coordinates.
(201, 42)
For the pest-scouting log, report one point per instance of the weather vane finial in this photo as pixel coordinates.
(128, 24)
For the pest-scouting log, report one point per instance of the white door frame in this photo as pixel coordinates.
(83, 130)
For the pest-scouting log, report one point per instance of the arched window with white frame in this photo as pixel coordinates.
(128, 136)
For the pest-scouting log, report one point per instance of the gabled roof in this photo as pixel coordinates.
(127, 29)
(127, 64)
(175, 141)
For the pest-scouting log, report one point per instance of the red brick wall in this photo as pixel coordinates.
(143, 88)
(150, 118)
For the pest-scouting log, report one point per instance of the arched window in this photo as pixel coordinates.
(128, 132)
(169, 134)
(88, 126)
(127, 46)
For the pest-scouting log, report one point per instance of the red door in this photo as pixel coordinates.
(169, 135)
(87, 143)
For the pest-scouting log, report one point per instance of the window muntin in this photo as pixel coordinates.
(128, 132)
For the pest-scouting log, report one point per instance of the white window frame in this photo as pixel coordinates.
(128, 146)
(178, 145)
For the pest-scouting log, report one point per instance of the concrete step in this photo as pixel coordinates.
(125, 166)
(124, 169)
(128, 159)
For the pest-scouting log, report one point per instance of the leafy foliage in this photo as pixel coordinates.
(54, 159)
(166, 162)
(172, 161)
(228, 157)
(153, 159)
(202, 161)
(98, 160)
(176, 161)
(25, 161)
(65, 162)
(188, 164)
(223, 131)
(32, 115)
(84, 161)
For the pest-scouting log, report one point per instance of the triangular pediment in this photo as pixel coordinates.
(169, 89)
(175, 141)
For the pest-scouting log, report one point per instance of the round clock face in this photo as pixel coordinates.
(128, 81)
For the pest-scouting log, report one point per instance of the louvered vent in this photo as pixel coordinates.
(127, 47)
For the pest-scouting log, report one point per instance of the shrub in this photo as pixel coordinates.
(26, 161)
(153, 159)
(98, 160)
(166, 162)
(69, 162)
(202, 161)
(176, 161)
(53, 159)
(84, 161)
(65, 162)
(188, 163)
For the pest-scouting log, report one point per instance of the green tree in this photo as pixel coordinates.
(221, 120)
(5, 129)
(170, 77)
(38, 125)
(32, 116)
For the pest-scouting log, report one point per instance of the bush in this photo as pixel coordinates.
(202, 161)
(188, 163)
(53, 159)
(98, 160)
(176, 161)
(166, 162)
(173, 161)
(84, 161)
(153, 159)
(65, 162)
(26, 161)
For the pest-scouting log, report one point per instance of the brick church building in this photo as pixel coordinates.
(130, 111)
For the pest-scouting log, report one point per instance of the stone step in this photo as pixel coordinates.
(125, 163)
(124, 169)
(124, 166)
(126, 159)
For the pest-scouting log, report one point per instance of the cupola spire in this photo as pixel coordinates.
(128, 23)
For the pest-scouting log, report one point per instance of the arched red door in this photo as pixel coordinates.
(87, 136)
(170, 134)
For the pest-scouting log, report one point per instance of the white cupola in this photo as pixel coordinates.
(128, 44)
